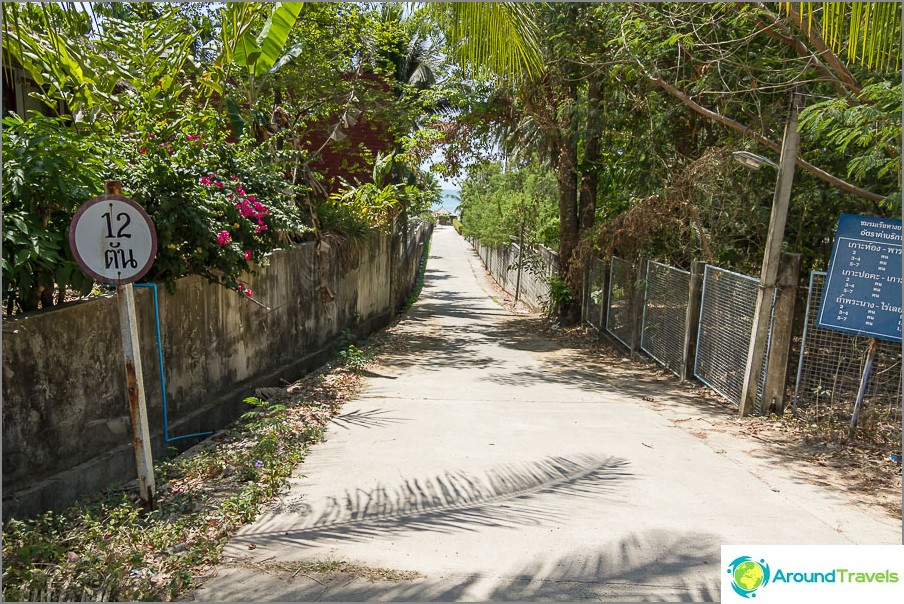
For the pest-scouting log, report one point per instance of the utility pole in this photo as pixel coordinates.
(769, 272)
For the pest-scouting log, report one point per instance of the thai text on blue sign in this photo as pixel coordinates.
(862, 294)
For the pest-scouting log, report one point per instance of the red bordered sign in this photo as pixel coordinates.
(113, 239)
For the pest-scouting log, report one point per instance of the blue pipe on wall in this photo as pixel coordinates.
(166, 437)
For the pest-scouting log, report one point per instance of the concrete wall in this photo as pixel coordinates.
(66, 426)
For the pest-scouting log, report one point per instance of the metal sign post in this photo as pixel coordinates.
(114, 241)
(864, 381)
(862, 294)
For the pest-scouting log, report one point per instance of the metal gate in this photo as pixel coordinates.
(665, 314)
(723, 338)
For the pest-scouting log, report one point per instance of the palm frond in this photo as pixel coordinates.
(498, 38)
(868, 33)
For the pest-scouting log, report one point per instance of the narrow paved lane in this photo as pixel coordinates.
(489, 463)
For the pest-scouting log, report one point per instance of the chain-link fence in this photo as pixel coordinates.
(538, 265)
(723, 340)
(594, 304)
(831, 365)
(618, 313)
(665, 314)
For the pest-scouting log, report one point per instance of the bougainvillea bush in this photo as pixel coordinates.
(218, 206)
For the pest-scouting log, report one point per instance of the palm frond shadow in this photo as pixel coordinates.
(375, 418)
(646, 566)
(456, 501)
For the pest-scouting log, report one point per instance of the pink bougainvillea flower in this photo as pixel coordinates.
(247, 254)
(251, 198)
(142, 151)
(219, 184)
(248, 292)
(224, 238)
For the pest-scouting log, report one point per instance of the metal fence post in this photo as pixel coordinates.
(692, 320)
(637, 303)
(604, 298)
(782, 323)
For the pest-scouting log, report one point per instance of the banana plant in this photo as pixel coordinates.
(259, 55)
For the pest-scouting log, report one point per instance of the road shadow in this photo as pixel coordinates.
(509, 496)
(374, 418)
(649, 566)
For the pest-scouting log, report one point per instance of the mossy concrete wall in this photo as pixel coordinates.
(66, 426)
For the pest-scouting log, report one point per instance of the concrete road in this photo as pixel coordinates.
(486, 462)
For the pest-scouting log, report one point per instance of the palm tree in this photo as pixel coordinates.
(868, 32)
(497, 38)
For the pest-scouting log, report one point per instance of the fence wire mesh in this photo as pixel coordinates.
(538, 265)
(665, 314)
(618, 313)
(831, 365)
(594, 304)
(723, 340)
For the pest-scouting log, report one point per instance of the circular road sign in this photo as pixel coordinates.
(113, 239)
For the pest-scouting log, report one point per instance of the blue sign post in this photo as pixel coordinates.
(863, 289)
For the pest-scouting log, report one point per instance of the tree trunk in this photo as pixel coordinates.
(569, 227)
(591, 160)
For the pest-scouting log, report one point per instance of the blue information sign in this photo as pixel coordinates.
(862, 294)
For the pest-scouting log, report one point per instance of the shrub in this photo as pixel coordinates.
(218, 207)
(49, 170)
(560, 295)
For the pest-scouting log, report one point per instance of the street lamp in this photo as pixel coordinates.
(752, 160)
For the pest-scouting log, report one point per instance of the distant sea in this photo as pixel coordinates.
(450, 200)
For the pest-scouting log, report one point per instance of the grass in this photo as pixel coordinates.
(110, 548)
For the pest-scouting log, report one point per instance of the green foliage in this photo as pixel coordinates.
(48, 172)
(494, 204)
(868, 134)
(354, 358)
(379, 202)
(870, 32)
(456, 224)
(491, 37)
(218, 207)
(560, 296)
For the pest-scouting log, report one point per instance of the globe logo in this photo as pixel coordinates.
(748, 575)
